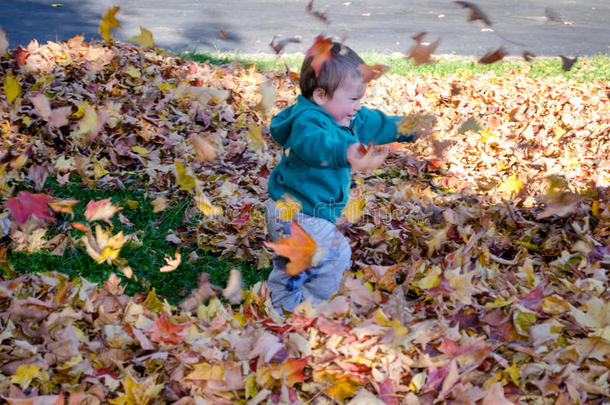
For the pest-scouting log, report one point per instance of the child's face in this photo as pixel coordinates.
(345, 102)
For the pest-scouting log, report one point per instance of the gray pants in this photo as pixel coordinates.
(319, 282)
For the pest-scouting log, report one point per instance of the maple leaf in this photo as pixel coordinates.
(172, 264)
(26, 204)
(370, 73)
(319, 15)
(109, 22)
(137, 393)
(204, 205)
(103, 247)
(596, 317)
(163, 331)
(287, 207)
(255, 139)
(64, 206)
(320, 51)
(421, 53)
(184, 176)
(145, 39)
(342, 388)
(41, 105)
(101, 210)
(354, 209)
(493, 56)
(475, 12)
(299, 248)
(292, 371)
(279, 46)
(25, 374)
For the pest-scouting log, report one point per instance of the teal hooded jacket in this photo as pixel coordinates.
(314, 168)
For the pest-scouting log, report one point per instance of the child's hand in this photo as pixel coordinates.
(363, 158)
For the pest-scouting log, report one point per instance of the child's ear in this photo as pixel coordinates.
(319, 96)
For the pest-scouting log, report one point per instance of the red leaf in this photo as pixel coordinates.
(20, 54)
(321, 52)
(166, 332)
(26, 204)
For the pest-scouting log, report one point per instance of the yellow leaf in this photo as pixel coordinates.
(354, 209)
(136, 393)
(184, 177)
(109, 22)
(89, 121)
(103, 247)
(287, 207)
(499, 302)
(205, 371)
(140, 150)
(342, 389)
(145, 39)
(437, 240)
(12, 88)
(554, 305)
(596, 317)
(523, 321)
(417, 382)
(431, 280)
(24, 375)
(172, 264)
(133, 71)
(513, 374)
(512, 185)
(205, 206)
(255, 138)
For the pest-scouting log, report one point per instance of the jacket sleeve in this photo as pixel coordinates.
(317, 144)
(374, 125)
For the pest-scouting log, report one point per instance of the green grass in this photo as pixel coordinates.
(145, 258)
(585, 69)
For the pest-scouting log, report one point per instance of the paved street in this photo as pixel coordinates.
(543, 27)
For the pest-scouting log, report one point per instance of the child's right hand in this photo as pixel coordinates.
(364, 158)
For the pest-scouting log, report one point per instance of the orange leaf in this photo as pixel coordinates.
(64, 206)
(166, 332)
(102, 209)
(370, 73)
(292, 370)
(321, 52)
(26, 204)
(299, 248)
(81, 227)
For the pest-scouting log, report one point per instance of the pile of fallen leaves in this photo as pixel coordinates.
(480, 253)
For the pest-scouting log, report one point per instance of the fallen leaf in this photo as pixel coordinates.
(101, 210)
(26, 204)
(172, 264)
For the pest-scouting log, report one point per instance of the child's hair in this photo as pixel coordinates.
(343, 61)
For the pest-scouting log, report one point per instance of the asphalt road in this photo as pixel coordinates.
(543, 27)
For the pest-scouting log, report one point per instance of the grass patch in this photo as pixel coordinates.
(585, 69)
(146, 255)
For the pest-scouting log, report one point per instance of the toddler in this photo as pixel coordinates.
(324, 136)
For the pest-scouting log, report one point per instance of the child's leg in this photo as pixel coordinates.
(325, 279)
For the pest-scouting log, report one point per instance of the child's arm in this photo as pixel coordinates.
(375, 126)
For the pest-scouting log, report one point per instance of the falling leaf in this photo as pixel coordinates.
(320, 52)
(12, 88)
(567, 63)
(255, 139)
(145, 39)
(103, 247)
(159, 204)
(268, 92)
(354, 209)
(205, 206)
(64, 206)
(101, 210)
(528, 56)
(471, 124)
(475, 12)
(232, 292)
(292, 371)
(41, 105)
(172, 263)
(287, 207)
(279, 46)
(319, 15)
(89, 121)
(184, 176)
(299, 248)
(109, 22)
(421, 54)
(26, 204)
(204, 149)
(3, 42)
(418, 124)
(493, 56)
(370, 73)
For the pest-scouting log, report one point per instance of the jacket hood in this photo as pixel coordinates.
(281, 124)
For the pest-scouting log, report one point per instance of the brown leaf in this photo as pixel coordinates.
(493, 56)
(370, 73)
(279, 46)
(319, 15)
(475, 12)
(421, 53)
(567, 63)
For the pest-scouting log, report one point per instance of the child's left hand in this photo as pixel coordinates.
(364, 158)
